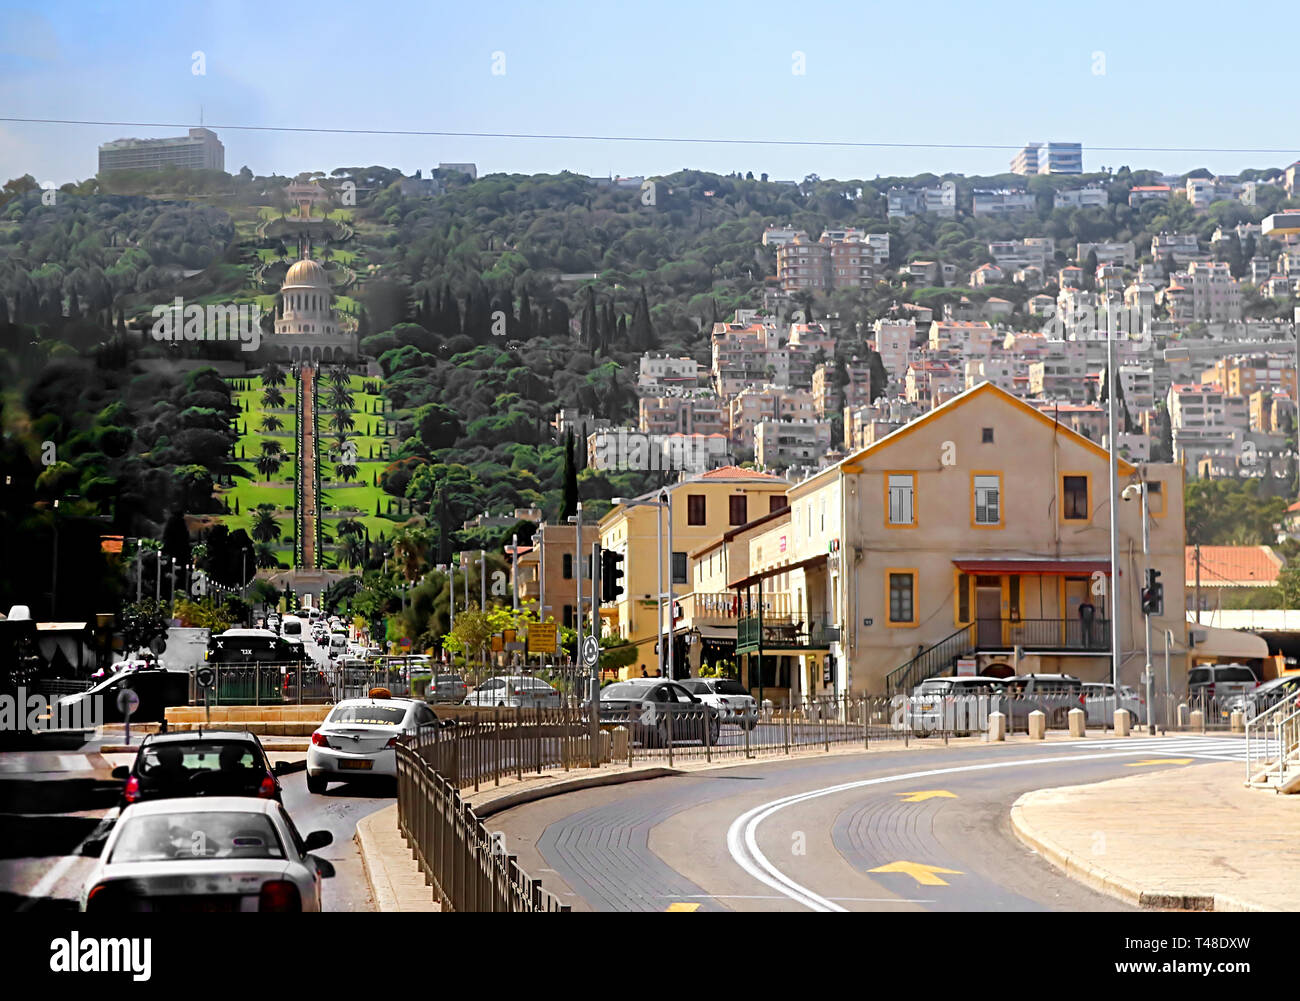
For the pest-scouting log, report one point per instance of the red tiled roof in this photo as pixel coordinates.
(735, 473)
(1228, 566)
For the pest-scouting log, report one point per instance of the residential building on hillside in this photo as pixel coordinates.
(1090, 196)
(200, 149)
(753, 405)
(939, 200)
(1012, 254)
(864, 425)
(634, 449)
(1108, 253)
(1183, 246)
(965, 337)
(1025, 161)
(987, 274)
(1148, 193)
(683, 415)
(893, 341)
(1001, 202)
(659, 371)
(1061, 158)
(779, 444)
(829, 399)
(1241, 375)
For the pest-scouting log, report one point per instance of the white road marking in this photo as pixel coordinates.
(742, 835)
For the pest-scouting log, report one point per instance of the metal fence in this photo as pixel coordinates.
(468, 868)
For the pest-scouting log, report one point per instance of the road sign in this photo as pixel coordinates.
(204, 676)
(541, 637)
(590, 651)
(158, 644)
(966, 667)
(127, 702)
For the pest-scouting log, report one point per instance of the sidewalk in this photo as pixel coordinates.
(1188, 838)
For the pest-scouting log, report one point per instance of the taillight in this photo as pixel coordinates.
(267, 789)
(1209, 689)
(392, 742)
(131, 793)
(279, 895)
(103, 895)
(319, 739)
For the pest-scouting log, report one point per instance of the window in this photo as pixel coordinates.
(987, 498)
(1013, 597)
(1074, 498)
(986, 436)
(963, 598)
(696, 509)
(679, 568)
(1155, 498)
(902, 489)
(776, 502)
(568, 566)
(568, 616)
(902, 606)
(737, 509)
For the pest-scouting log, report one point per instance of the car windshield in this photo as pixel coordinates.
(1234, 674)
(623, 692)
(183, 837)
(381, 715)
(158, 759)
(935, 687)
(696, 687)
(729, 686)
(1198, 676)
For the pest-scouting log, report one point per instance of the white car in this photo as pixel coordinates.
(217, 853)
(728, 696)
(515, 690)
(1099, 703)
(359, 738)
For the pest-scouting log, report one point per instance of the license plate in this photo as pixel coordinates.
(359, 763)
(926, 709)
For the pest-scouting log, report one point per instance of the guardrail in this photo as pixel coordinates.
(469, 869)
(1273, 746)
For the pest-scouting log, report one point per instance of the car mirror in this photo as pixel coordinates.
(280, 767)
(318, 839)
(122, 772)
(323, 866)
(448, 722)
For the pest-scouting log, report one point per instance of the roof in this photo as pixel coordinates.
(1234, 566)
(736, 473)
(202, 804)
(189, 736)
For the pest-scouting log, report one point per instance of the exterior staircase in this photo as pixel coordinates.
(934, 660)
(1273, 749)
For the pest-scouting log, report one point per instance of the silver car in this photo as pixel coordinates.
(217, 853)
(1266, 696)
(1099, 703)
(729, 697)
(958, 705)
(515, 690)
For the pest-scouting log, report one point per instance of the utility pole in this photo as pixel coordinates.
(594, 705)
(577, 558)
(482, 579)
(672, 591)
(139, 570)
(1198, 583)
(1116, 633)
(1147, 676)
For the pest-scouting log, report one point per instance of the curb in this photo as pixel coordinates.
(509, 800)
(381, 888)
(1083, 871)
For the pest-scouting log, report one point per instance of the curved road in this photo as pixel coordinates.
(921, 829)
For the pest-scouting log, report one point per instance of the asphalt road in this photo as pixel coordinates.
(849, 832)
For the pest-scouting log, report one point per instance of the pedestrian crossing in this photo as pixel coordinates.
(1208, 748)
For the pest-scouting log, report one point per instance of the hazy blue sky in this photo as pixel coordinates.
(1189, 75)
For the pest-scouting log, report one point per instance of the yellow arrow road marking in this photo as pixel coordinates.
(922, 795)
(1159, 761)
(683, 907)
(923, 874)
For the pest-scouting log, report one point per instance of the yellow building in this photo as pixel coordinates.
(976, 532)
(703, 508)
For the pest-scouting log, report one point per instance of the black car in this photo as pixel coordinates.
(199, 763)
(647, 706)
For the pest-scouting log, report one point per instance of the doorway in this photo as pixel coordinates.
(988, 611)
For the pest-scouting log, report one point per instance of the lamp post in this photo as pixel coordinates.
(1116, 655)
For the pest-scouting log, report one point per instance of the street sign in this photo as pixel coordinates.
(127, 702)
(541, 637)
(966, 667)
(204, 676)
(590, 651)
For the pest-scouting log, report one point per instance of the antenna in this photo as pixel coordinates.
(200, 115)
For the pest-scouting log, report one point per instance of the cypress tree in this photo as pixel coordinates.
(570, 479)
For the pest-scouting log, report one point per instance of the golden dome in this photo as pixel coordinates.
(306, 273)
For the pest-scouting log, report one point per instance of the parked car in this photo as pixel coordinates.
(515, 690)
(1054, 694)
(1266, 696)
(221, 853)
(157, 689)
(1099, 703)
(646, 705)
(934, 707)
(446, 688)
(359, 737)
(1220, 682)
(729, 697)
(199, 763)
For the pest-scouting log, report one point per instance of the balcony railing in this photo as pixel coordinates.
(784, 634)
(1035, 635)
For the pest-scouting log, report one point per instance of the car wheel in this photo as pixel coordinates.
(317, 784)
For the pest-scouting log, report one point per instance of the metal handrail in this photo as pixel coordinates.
(932, 660)
(1279, 732)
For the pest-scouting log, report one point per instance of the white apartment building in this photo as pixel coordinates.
(660, 372)
(903, 202)
(1184, 247)
(1215, 294)
(753, 405)
(778, 444)
(779, 236)
(963, 337)
(1091, 196)
(1061, 373)
(1108, 253)
(1032, 252)
(1001, 202)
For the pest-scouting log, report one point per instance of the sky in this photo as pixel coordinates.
(952, 74)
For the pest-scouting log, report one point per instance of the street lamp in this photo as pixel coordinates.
(659, 556)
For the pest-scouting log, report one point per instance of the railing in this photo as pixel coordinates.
(1273, 746)
(469, 869)
(1042, 634)
(783, 633)
(933, 660)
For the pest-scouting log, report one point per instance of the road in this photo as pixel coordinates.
(920, 829)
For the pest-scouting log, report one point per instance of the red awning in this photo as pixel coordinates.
(1030, 565)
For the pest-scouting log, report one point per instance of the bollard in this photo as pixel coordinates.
(1238, 721)
(1197, 720)
(621, 742)
(997, 726)
(1183, 718)
(1078, 723)
(767, 709)
(1037, 725)
(1122, 720)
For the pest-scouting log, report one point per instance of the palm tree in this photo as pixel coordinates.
(273, 375)
(351, 551)
(265, 527)
(268, 465)
(342, 420)
(272, 398)
(341, 398)
(349, 526)
(272, 423)
(339, 376)
(410, 547)
(265, 556)
(272, 447)
(345, 471)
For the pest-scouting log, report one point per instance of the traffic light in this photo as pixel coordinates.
(1153, 595)
(611, 575)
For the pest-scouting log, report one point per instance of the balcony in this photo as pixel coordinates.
(1042, 635)
(784, 634)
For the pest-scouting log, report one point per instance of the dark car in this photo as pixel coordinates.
(199, 763)
(156, 687)
(653, 708)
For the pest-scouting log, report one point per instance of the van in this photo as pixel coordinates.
(338, 646)
(291, 628)
(1220, 681)
(1052, 694)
